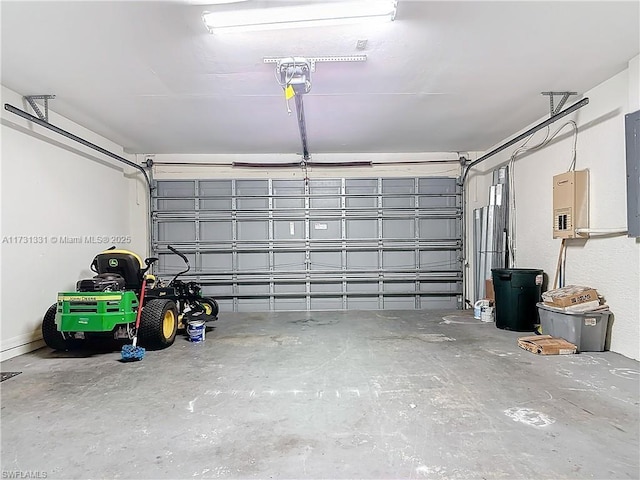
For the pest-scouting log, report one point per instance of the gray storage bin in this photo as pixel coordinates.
(586, 330)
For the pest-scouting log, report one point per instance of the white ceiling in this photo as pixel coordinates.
(444, 76)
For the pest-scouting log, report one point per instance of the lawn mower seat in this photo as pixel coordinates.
(124, 263)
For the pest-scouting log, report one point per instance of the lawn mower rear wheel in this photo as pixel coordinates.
(158, 324)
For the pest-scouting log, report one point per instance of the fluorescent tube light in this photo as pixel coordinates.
(212, 2)
(301, 15)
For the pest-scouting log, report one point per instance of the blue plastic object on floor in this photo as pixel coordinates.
(131, 353)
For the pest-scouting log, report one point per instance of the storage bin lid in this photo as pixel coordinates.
(588, 313)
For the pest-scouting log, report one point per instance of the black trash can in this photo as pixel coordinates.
(517, 291)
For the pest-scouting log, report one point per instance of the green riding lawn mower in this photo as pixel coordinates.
(107, 304)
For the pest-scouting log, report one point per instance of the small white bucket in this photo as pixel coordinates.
(486, 314)
(196, 329)
(477, 308)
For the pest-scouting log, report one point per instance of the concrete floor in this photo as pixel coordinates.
(326, 395)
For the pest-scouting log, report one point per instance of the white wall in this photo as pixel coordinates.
(609, 264)
(53, 187)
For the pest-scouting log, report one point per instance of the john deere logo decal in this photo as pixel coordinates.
(113, 262)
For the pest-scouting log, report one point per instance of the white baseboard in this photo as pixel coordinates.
(20, 345)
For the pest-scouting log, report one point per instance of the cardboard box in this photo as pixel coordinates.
(546, 345)
(578, 307)
(489, 292)
(569, 295)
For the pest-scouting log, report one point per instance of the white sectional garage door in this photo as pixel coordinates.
(331, 244)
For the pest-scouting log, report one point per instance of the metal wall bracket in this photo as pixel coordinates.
(326, 58)
(565, 96)
(32, 98)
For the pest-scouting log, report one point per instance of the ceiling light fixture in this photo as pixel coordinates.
(300, 15)
(212, 2)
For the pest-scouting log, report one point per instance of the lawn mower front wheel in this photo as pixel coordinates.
(52, 336)
(158, 324)
(210, 306)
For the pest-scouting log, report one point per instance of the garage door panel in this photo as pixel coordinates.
(362, 303)
(439, 287)
(215, 231)
(361, 194)
(326, 203)
(437, 259)
(252, 195)
(289, 304)
(253, 230)
(323, 229)
(326, 303)
(398, 261)
(399, 287)
(283, 244)
(216, 262)
(440, 303)
(322, 260)
(252, 305)
(289, 288)
(253, 289)
(224, 305)
(176, 188)
(177, 232)
(362, 229)
(288, 261)
(399, 303)
(172, 264)
(439, 229)
(252, 262)
(217, 205)
(399, 229)
(288, 230)
(434, 203)
(326, 288)
(218, 291)
(222, 192)
(176, 205)
(288, 197)
(398, 193)
(288, 207)
(362, 287)
(434, 193)
(324, 194)
(362, 260)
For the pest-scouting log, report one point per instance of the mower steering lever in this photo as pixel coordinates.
(186, 260)
(181, 255)
(149, 261)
